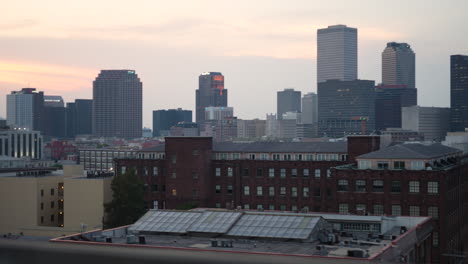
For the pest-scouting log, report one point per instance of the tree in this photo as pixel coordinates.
(127, 204)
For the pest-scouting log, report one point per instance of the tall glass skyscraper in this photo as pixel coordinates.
(458, 92)
(288, 100)
(398, 65)
(337, 53)
(210, 92)
(117, 104)
(25, 109)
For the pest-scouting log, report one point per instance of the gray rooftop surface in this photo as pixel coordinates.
(411, 151)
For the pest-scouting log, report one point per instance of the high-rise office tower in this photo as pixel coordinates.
(309, 108)
(55, 121)
(337, 53)
(163, 120)
(79, 117)
(398, 65)
(25, 109)
(210, 92)
(389, 101)
(458, 92)
(117, 104)
(288, 100)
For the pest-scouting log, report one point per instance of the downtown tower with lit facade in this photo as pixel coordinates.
(210, 92)
(117, 104)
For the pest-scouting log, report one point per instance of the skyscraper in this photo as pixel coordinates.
(117, 104)
(210, 92)
(337, 53)
(309, 108)
(79, 117)
(288, 100)
(163, 120)
(398, 65)
(25, 109)
(389, 101)
(458, 92)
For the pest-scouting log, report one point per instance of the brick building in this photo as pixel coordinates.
(311, 176)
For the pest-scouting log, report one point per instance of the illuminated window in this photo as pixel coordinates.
(305, 191)
(414, 186)
(259, 190)
(271, 172)
(317, 173)
(229, 172)
(246, 190)
(432, 187)
(174, 192)
(218, 172)
(155, 171)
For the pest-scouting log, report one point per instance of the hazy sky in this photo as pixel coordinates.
(260, 46)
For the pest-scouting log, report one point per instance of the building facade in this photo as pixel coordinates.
(25, 109)
(337, 53)
(345, 107)
(21, 143)
(117, 104)
(163, 120)
(398, 65)
(432, 122)
(251, 128)
(288, 100)
(389, 100)
(210, 92)
(79, 118)
(458, 92)
(309, 108)
(102, 160)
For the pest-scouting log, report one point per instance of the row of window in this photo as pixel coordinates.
(378, 186)
(272, 190)
(272, 172)
(378, 209)
(278, 156)
(397, 165)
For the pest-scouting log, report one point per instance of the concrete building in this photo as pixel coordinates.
(79, 118)
(117, 104)
(388, 103)
(210, 92)
(21, 143)
(163, 120)
(399, 135)
(271, 126)
(45, 202)
(432, 122)
(337, 53)
(25, 109)
(345, 107)
(274, 237)
(309, 108)
(458, 92)
(288, 100)
(102, 159)
(398, 65)
(251, 128)
(185, 129)
(218, 112)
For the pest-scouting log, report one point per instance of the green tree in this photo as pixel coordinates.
(127, 204)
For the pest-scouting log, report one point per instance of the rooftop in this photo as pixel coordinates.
(412, 151)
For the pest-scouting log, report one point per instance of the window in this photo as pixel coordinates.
(282, 190)
(271, 172)
(294, 191)
(42, 219)
(360, 186)
(317, 173)
(259, 190)
(123, 169)
(173, 175)
(259, 172)
(217, 205)
(382, 165)
(364, 164)
(264, 156)
(414, 210)
(229, 172)
(246, 190)
(435, 239)
(271, 207)
(328, 173)
(251, 156)
(174, 159)
(223, 156)
(309, 156)
(361, 208)
(343, 208)
(298, 157)
(433, 211)
(294, 208)
(174, 192)
(378, 209)
(235, 156)
(194, 175)
(305, 173)
(321, 157)
(287, 156)
(283, 173)
(276, 156)
(246, 206)
(271, 191)
(333, 157)
(259, 206)
(155, 171)
(229, 189)
(154, 187)
(245, 172)
(52, 191)
(417, 165)
(305, 191)
(396, 209)
(343, 186)
(432, 187)
(294, 173)
(195, 152)
(396, 187)
(218, 172)
(52, 218)
(398, 165)
(283, 207)
(42, 192)
(317, 192)
(414, 186)
(42, 206)
(217, 188)
(377, 186)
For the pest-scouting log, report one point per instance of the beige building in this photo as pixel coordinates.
(36, 202)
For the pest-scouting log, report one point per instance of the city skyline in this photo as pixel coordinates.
(280, 50)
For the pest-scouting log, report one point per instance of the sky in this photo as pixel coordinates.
(260, 46)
